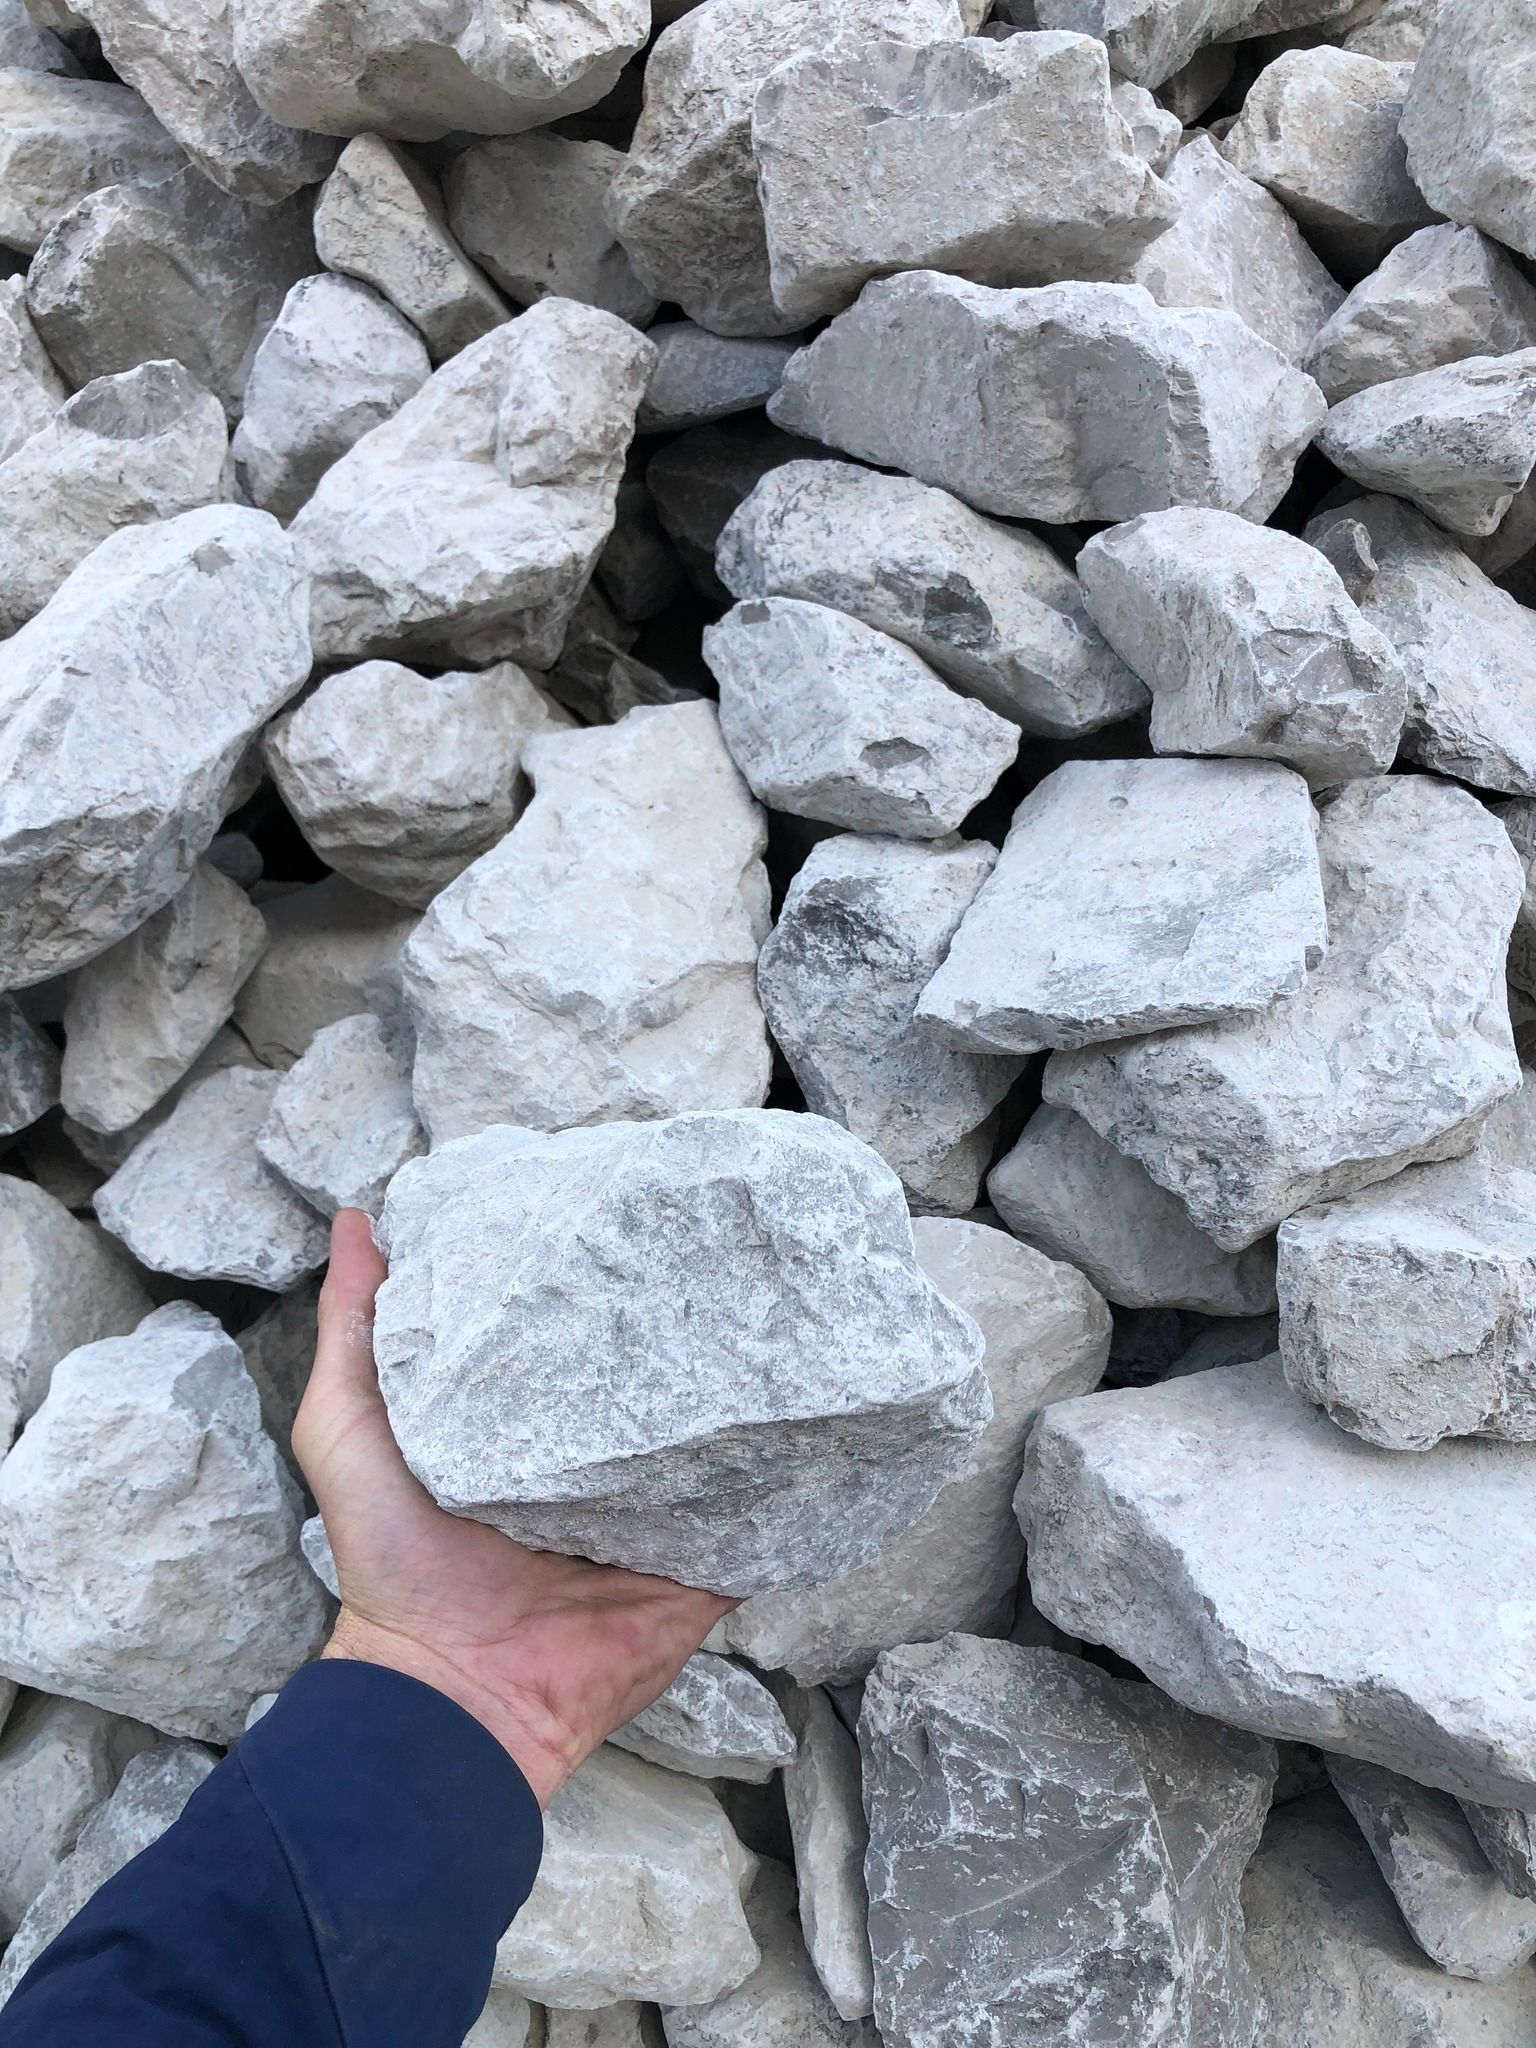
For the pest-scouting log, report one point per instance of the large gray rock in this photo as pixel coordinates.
(831, 719)
(466, 527)
(1390, 1056)
(600, 961)
(1149, 40)
(823, 1798)
(124, 708)
(1002, 162)
(332, 950)
(341, 1122)
(1263, 1565)
(31, 389)
(1054, 1854)
(1047, 1338)
(701, 376)
(1250, 642)
(29, 1069)
(1467, 125)
(772, 1421)
(990, 607)
(715, 1720)
(864, 925)
(1133, 896)
(63, 138)
(59, 1759)
(1073, 401)
(149, 1535)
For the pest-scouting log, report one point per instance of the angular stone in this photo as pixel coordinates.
(824, 1800)
(26, 45)
(1054, 1854)
(400, 780)
(1456, 1909)
(402, 68)
(1157, 135)
(179, 639)
(332, 950)
(1149, 40)
(1002, 162)
(197, 1199)
(1397, 32)
(828, 718)
(466, 527)
(715, 1720)
(1390, 1056)
(337, 362)
(740, 1444)
(380, 219)
(600, 961)
(31, 389)
(685, 204)
(138, 1015)
(1047, 1337)
(866, 922)
(1190, 1526)
(108, 1150)
(178, 268)
(1507, 1838)
(639, 1894)
(341, 1122)
(700, 377)
(63, 138)
(149, 1536)
(1073, 401)
(1235, 246)
(1250, 641)
(990, 607)
(59, 1759)
(531, 209)
(29, 1069)
(1467, 123)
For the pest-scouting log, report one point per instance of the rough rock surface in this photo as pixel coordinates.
(1150, 40)
(1390, 1056)
(990, 607)
(1072, 401)
(332, 950)
(149, 1535)
(600, 961)
(701, 376)
(62, 139)
(828, 718)
(697, 481)
(59, 1759)
(26, 45)
(1047, 1338)
(1054, 1854)
(1190, 1525)
(31, 389)
(715, 1720)
(341, 1122)
(400, 780)
(1250, 642)
(508, 2021)
(124, 707)
(824, 1802)
(1507, 1838)
(1466, 124)
(29, 1069)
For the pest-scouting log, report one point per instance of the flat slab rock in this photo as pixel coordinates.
(1189, 1526)
(1507, 1837)
(823, 1799)
(1150, 40)
(737, 1449)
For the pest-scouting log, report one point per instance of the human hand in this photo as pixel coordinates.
(550, 1653)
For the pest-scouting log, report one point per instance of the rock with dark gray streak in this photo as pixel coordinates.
(1151, 40)
(1467, 121)
(824, 1801)
(341, 1122)
(1507, 1837)
(715, 1720)
(63, 138)
(701, 376)
(29, 1069)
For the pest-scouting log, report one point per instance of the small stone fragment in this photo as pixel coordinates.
(29, 1069)
(332, 950)
(1507, 1838)
(337, 362)
(31, 389)
(1156, 134)
(1467, 121)
(61, 139)
(59, 1759)
(380, 219)
(341, 1122)
(701, 376)
(1073, 401)
(824, 1799)
(715, 1720)
(1150, 40)
(828, 718)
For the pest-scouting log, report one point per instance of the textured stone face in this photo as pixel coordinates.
(1507, 1838)
(823, 1798)
(149, 1535)
(26, 45)
(1073, 401)
(1251, 1558)
(31, 389)
(29, 1069)
(1466, 123)
(59, 1759)
(600, 961)
(1390, 1056)
(701, 376)
(341, 1121)
(715, 1720)
(748, 1283)
(124, 707)
(62, 138)
(1149, 40)
(1054, 1853)
(332, 950)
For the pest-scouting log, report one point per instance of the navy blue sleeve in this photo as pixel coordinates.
(339, 1881)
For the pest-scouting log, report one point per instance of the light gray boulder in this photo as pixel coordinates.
(62, 138)
(332, 950)
(138, 1015)
(400, 780)
(1189, 1526)
(828, 718)
(639, 1893)
(1507, 1838)
(59, 1759)
(29, 1069)
(1151, 40)
(381, 220)
(1047, 1337)
(124, 708)
(31, 389)
(600, 961)
(715, 1720)
(996, 1779)
(149, 1535)
(1250, 641)
(1390, 1056)
(531, 208)
(1065, 1191)
(337, 362)
(700, 377)
(990, 607)
(138, 272)
(865, 923)
(197, 1199)
(106, 1151)
(341, 1122)
(823, 1797)
(465, 528)
(1072, 401)
(1234, 246)
(1466, 124)
(1005, 162)
(1133, 896)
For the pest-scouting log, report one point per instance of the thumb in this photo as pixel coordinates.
(342, 1399)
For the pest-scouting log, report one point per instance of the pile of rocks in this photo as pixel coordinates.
(840, 698)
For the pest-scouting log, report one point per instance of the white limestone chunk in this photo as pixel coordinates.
(341, 1122)
(1467, 121)
(824, 1800)
(332, 950)
(715, 1720)
(29, 1069)
(59, 1759)
(31, 389)
(62, 138)
(701, 376)
(1149, 40)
